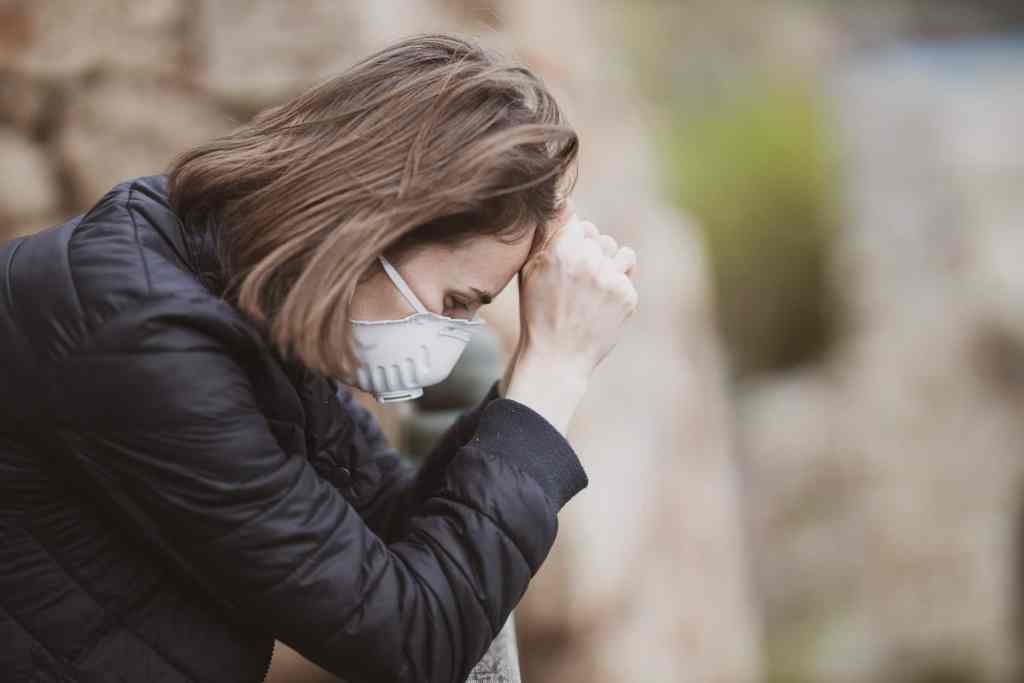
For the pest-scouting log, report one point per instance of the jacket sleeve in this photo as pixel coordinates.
(399, 484)
(160, 401)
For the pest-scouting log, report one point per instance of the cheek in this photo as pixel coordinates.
(436, 298)
(430, 285)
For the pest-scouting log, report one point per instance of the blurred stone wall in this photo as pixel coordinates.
(647, 580)
(886, 485)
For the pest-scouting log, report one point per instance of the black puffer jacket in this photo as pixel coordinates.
(174, 494)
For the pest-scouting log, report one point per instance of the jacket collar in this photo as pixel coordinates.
(194, 245)
(202, 242)
(197, 245)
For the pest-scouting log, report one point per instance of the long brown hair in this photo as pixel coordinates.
(435, 138)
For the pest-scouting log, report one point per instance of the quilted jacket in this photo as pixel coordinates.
(175, 494)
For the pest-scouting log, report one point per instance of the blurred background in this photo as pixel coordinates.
(805, 454)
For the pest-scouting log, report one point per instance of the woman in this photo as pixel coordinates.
(186, 475)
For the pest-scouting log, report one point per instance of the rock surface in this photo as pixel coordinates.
(648, 577)
(30, 191)
(887, 484)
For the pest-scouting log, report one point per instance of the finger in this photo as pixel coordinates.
(589, 229)
(565, 216)
(633, 300)
(591, 255)
(569, 236)
(608, 245)
(548, 235)
(614, 280)
(625, 262)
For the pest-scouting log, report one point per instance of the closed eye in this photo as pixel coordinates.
(460, 305)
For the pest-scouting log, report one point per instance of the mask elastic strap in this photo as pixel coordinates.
(402, 286)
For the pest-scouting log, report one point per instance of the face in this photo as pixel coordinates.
(450, 281)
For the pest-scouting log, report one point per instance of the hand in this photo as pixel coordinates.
(575, 293)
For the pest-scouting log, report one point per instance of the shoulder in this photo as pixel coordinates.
(169, 359)
(111, 293)
(124, 254)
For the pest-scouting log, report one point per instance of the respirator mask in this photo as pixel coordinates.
(400, 357)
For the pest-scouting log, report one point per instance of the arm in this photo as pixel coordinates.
(400, 485)
(159, 401)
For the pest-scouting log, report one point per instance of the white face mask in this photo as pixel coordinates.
(400, 357)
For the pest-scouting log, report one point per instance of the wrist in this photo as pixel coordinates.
(507, 376)
(567, 371)
(550, 387)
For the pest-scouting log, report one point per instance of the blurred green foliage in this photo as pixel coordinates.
(757, 167)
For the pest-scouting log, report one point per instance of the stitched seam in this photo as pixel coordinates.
(312, 553)
(533, 477)
(147, 486)
(141, 303)
(369, 588)
(74, 229)
(418, 578)
(9, 277)
(488, 517)
(401, 476)
(28, 532)
(249, 520)
(92, 597)
(14, 617)
(509, 461)
(60, 663)
(82, 347)
(468, 578)
(138, 242)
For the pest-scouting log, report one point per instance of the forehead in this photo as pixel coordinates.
(487, 261)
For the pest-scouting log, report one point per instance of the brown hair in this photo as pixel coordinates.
(435, 138)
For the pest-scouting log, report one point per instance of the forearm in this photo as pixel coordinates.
(551, 388)
(399, 487)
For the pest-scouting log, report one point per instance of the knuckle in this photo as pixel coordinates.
(626, 289)
(571, 266)
(606, 282)
(577, 264)
(611, 281)
(625, 257)
(563, 257)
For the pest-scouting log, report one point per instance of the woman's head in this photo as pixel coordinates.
(433, 150)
